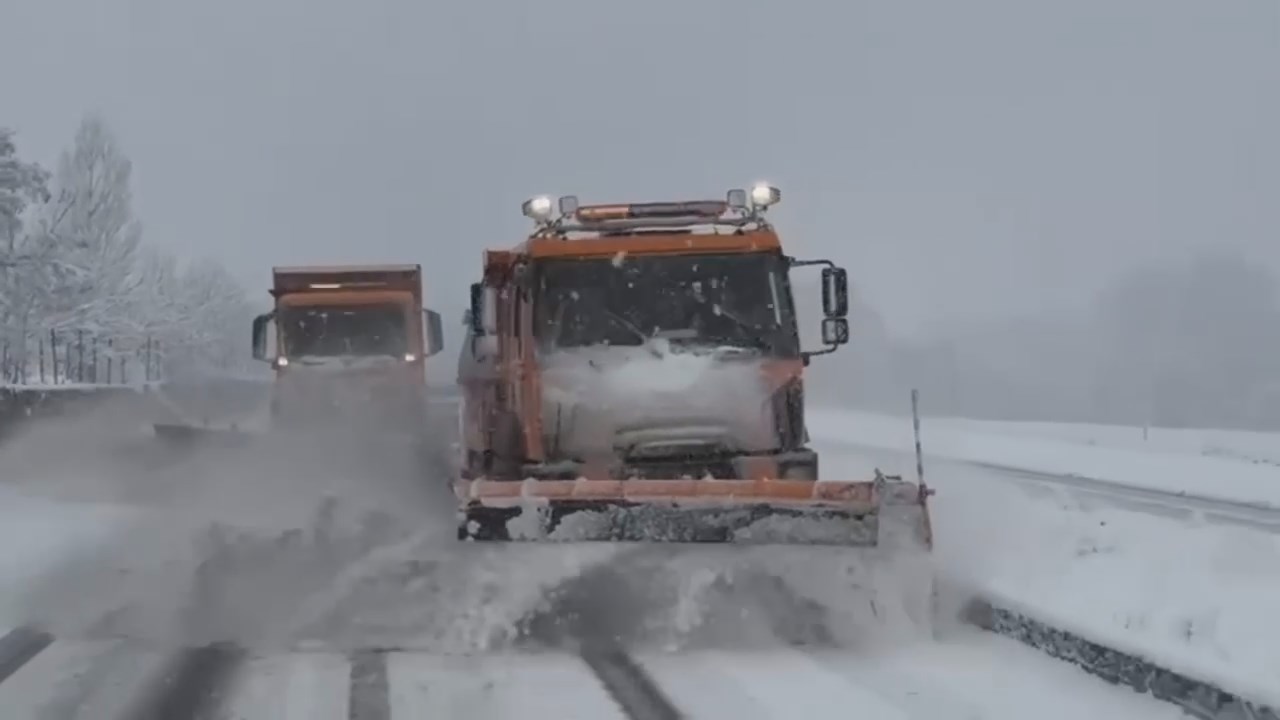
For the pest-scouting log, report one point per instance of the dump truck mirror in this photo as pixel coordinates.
(835, 331)
(260, 336)
(835, 294)
(520, 273)
(475, 317)
(434, 334)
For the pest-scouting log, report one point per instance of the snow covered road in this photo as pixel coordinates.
(129, 567)
(968, 676)
(1158, 482)
(1233, 468)
(1093, 493)
(1083, 492)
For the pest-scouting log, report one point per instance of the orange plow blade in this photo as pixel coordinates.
(689, 511)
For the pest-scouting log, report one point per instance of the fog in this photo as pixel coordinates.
(996, 175)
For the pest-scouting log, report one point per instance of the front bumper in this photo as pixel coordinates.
(791, 465)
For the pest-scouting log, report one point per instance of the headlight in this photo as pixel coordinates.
(763, 195)
(538, 208)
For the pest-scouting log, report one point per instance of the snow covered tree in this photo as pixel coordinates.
(20, 185)
(72, 261)
(92, 236)
(215, 313)
(21, 269)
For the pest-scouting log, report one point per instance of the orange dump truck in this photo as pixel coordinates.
(349, 341)
(635, 372)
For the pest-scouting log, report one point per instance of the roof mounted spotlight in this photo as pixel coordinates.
(568, 205)
(538, 208)
(763, 195)
(737, 199)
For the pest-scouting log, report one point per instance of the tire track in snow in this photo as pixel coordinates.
(370, 697)
(19, 646)
(190, 686)
(636, 693)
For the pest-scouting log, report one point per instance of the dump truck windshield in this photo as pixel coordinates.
(344, 330)
(737, 300)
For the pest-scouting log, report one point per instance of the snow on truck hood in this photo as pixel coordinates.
(578, 374)
(591, 394)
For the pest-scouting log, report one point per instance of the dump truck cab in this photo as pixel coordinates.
(349, 340)
(643, 341)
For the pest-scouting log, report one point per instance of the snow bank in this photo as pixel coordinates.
(1176, 472)
(1197, 599)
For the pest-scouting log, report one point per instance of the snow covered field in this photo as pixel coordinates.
(1177, 462)
(1194, 598)
(1240, 445)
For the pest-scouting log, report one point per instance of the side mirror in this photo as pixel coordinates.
(260, 336)
(476, 313)
(434, 335)
(835, 331)
(835, 294)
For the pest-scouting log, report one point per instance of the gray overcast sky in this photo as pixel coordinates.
(962, 159)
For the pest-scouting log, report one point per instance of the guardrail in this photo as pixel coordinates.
(72, 357)
(1198, 698)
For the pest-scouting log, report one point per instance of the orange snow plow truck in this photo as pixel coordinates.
(635, 372)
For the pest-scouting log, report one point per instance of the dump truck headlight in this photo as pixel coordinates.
(282, 361)
(538, 208)
(763, 195)
(410, 357)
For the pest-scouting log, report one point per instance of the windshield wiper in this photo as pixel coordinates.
(645, 339)
(752, 335)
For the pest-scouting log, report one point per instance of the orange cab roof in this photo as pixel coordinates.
(758, 240)
(368, 297)
(337, 269)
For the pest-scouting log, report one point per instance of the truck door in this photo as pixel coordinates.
(529, 397)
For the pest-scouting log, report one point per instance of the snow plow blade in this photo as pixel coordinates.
(180, 434)
(756, 512)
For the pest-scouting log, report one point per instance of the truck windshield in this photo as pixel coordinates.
(327, 331)
(738, 300)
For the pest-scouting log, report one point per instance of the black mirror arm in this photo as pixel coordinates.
(477, 309)
(793, 262)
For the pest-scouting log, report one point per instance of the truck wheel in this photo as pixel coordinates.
(488, 528)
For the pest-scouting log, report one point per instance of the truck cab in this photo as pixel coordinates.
(348, 340)
(642, 341)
